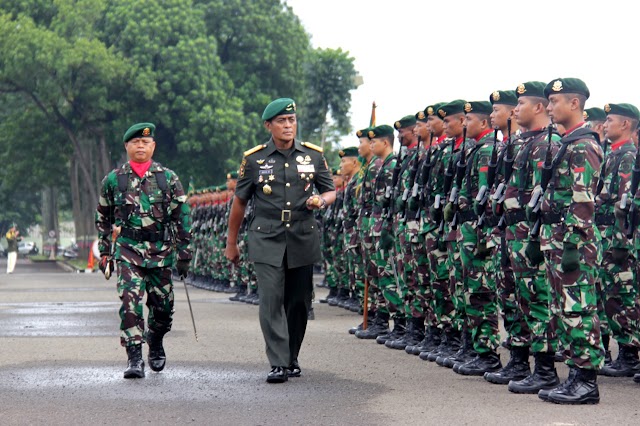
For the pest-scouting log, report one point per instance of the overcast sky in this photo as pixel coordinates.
(412, 53)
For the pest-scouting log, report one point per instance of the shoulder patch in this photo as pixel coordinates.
(255, 149)
(312, 146)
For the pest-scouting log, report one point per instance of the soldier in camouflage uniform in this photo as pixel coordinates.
(618, 258)
(144, 206)
(334, 217)
(404, 174)
(479, 355)
(569, 243)
(327, 244)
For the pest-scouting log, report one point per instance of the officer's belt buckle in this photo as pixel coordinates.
(286, 216)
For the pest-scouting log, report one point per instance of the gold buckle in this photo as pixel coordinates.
(286, 216)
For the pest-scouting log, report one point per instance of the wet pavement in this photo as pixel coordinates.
(61, 363)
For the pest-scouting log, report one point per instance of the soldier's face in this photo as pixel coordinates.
(453, 126)
(435, 125)
(140, 150)
(283, 127)
(364, 149)
(347, 165)
(231, 184)
(377, 146)
(421, 130)
(524, 111)
(474, 125)
(499, 116)
(559, 108)
(613, 127)
(406, 136)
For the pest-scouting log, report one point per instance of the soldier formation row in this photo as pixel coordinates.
(490, 209)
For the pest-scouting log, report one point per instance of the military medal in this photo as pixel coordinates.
(260, 179)
(266, 189)
(272, 178)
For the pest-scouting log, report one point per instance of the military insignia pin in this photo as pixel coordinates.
(146, 131)
(371, 134)
(266, 189)
(307, 159)
(359, 133)
(521, 89)
(607, 108)
(468, 107)
(300, 159)
(585, 116)
(302, 175)
(261, 161)
(495, 96)
(421, 115)
(397, 124)
(272, 178)
(557, 86)
(442, 113)
(430, 110)
(260, 179)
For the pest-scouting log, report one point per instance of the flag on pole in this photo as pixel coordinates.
(372, 121)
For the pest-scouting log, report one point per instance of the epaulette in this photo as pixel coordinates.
(312, 146)
(255, 149)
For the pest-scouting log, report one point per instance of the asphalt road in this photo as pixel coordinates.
(61, 363)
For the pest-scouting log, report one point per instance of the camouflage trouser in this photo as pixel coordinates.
(329, 266)
(401, 259)
(601, 297)
(388, 297)
(481, 298)
(574, 308)
(533, 293)
(133, 282)
(621, 303)
(354, 263)
(370, 271)
(421, 304)
(340, 262)
(244, 274)
(456, 285)
(441, 300)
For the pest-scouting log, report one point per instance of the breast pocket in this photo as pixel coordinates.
(261, 226)
(156, 205)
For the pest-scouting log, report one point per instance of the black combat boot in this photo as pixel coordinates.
(413, 335)
(636, 378)
(370, 317)
(544, 376)
(354, 304)
(627, 364)
(399, 328)
(583, 389)
(135, 364)
(380, 325)
(157, 357)
(333, 292)
(465, 354)
(241, 290)
(429, 343)
(483, 363)
(516, 369)
(453, 345)
(341, 296)
(543, 394)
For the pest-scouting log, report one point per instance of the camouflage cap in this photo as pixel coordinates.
(626, 110)
(278, 107)
(531, 88)
(478, 107)
(454, 107)
(406, 121)
(139, 130)
(350, 151)
(504, 97)
(594, 114)
(362, 133)
(382, 130)
(566, 85)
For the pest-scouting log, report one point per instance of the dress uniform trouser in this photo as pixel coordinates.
(285, 299)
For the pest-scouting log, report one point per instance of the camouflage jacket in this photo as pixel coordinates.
(351, 210)
(405, 182)
(616, 181)
(476, 170)
(147, 212)
(367, 176)
(432, 174)
(450, 155)
(531, 153)
(381, 195)
(569, 202)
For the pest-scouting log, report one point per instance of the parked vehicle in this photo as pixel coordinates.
(26, 248)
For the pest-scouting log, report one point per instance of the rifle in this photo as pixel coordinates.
(483, 193)
(424, 192)
(538, 194)
(449, 174)
(507, 160)
(461, 167)
(112, 251)
(632, 220)
(602, 169)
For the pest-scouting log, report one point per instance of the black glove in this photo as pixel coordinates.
(482, 251)
(533, 253)
(619, 255)
(386, 240)
(183, 268)
(570, 257)
(106, 266)
(436, 214)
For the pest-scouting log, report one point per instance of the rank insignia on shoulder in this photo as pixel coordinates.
(254, 149)
(312, 146)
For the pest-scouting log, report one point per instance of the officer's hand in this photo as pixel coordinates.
(620, 213)
(570, 257)
(315, 202)
(183, 268)
(619, 256)
(106, 266)
(482, 251)
(232, 253)
(448, 212)
(435, 214)
(386, 240)
(533, 253)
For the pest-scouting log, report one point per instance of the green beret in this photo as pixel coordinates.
(232, 175)
(382, 130)
(433, 109)
(504, 97)
(336, 171)
(455, 107)
(406, 121)
(566, 85)
(362, 133)
(279, 107)
(594, 114)
(531, 88)
(421, 116)
(350, 151)
(139, 130)
(626, 110)
(478, 107)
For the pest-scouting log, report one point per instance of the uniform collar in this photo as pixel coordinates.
(271, 146)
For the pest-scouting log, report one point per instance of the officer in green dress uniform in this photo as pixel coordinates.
(281, 175)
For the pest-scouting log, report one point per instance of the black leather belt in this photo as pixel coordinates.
(551, 218)
(515, 216)
(605, 219)
(142, 235)
(490, 222)
(467, 216)
(284, 215)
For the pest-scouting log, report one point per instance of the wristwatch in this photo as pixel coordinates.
(324, 203)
